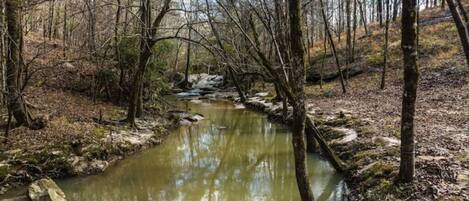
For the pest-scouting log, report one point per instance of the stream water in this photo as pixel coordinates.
(232, 155)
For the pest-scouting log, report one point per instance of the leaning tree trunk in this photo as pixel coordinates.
(409, 49)
(461, 26)
(299, 110)
(329, 35)
(16, 105)
(463, 11)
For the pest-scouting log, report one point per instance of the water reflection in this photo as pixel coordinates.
(231, 155)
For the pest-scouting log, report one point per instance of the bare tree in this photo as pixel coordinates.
(15, 100)
(147, 41)
(331, 41)
(461, 22)
(409, 49)
(385, 52)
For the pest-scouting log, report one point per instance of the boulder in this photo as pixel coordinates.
(204, 80)
(45, 190)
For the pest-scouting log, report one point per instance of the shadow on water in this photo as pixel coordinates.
(231, 155)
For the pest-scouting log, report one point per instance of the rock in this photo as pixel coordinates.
(188, 116)
(204, 80)
(13, 152)
(239, 106)
(195, 118)
(176, 90)
(45, 190)
(81, 166)
(262, 94)
(386, 141)
(186, 94)
(196, 101)
(185, 122)
(349, 135)
(68, 67)
(98, 165)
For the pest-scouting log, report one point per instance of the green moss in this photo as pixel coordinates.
(101, 131)
(375, 59)
(376, 172)
(366, 154)
(462, 156)
(366, 131)
(4, 170)
(96, 152)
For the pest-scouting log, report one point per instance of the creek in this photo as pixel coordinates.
(233, 154)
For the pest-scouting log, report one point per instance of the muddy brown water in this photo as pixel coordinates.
(232, 155)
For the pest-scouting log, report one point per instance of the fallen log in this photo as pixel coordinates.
(311, 129)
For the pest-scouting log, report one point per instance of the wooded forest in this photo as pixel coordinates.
(195, 100)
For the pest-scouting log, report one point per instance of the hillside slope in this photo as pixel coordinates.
(442, 116)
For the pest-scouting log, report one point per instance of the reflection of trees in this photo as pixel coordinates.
(252, 158)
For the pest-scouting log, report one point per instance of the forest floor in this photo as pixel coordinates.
(442, 113)
(81, 136)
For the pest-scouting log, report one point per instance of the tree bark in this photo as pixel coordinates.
(299, 110)
(329, 35)
(146, 43)
(188, 61)
(349, 55)
(463, 11)
(409, 49)
(16, 105)
(380, 12)
(395, 10)
(363, 16)
(2, 51)
(385, 52)
(461, 26)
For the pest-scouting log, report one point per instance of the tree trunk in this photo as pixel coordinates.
(349, 56)
(354, 41)
(16, 105)
(363, 16)
(380, 12)
(145, 53)
(51, 19)
(395, 10)
(117, 51)
(409, 49)
(2, 51)
(461, 26)
(188, 62)
(146, 43)
(65, 32)
(385, 52)
(299, 110)
(344, 90)
(463, 11)
(224, 53)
